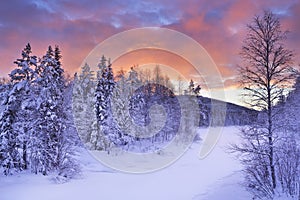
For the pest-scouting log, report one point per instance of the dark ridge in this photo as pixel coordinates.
(235, 115)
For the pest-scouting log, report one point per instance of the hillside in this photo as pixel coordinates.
(234, 114)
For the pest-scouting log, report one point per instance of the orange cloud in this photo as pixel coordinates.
(155, 56)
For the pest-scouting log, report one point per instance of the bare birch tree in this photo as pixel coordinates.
(265, 75)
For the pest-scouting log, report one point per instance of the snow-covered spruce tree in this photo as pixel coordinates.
(102, 66)
(77, 104)
(71, 132)
(103, 93)
(4, 88)
(10, 144)
(16, 119)
(22, 78)
(87, 80)
(120, 109)
(50, 148)
(83, 102)
(42, 152)
(265, 75)
(66, 166)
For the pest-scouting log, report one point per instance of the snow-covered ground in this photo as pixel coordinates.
(213, 178)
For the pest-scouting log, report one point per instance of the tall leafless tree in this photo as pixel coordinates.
(265, 75)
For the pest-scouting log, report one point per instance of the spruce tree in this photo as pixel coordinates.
(15, 122)
(103, 93)
(23, 78)
(10, 157)
(191, 87)
(50, 127)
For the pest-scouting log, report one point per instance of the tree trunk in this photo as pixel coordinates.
(270, 140)
(25, 155)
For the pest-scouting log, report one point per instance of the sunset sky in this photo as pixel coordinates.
(78, 26)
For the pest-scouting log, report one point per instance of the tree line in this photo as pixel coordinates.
(122, 103)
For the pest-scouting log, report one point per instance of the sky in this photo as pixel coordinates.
(78, 26)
